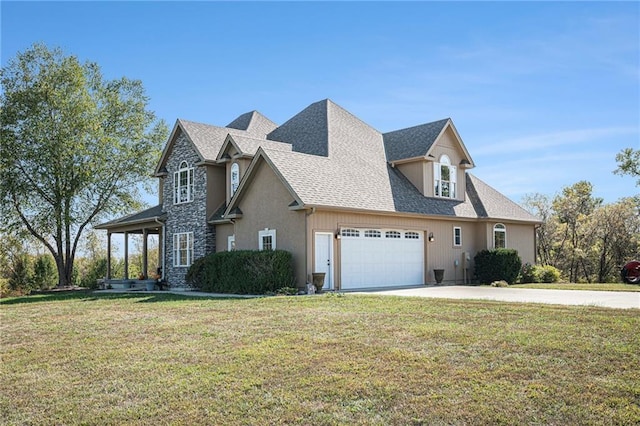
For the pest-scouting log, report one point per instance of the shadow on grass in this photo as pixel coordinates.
(91, 296)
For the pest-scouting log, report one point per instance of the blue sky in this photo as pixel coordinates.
(543, 94)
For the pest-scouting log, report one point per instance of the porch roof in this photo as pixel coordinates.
(135, 223)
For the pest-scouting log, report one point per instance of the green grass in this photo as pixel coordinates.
(325, 360)
(582, 286)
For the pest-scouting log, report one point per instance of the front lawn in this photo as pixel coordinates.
(327, 359)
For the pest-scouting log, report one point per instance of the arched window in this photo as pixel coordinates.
(445, 178)
(235, 178)
(183, 184)
(499, 236)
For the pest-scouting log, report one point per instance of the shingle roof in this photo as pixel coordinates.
(319, 181)
(307, 131)
(412, 142)
(254, 123)
(490, 203)
(144, 215)
(208, 139)
(341, 162)
(250, 145)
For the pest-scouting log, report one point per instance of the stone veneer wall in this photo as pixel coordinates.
(186, 217)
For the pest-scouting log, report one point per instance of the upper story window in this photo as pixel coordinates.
(183, 184)
(235, 178)
(499, 236)
(445, 178)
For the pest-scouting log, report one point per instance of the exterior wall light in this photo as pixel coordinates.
(431, 237)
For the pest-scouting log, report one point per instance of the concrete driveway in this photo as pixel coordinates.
(607, 299)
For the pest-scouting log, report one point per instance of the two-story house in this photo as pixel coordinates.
(369, 209)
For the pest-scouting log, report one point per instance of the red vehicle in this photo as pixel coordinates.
(631, 272)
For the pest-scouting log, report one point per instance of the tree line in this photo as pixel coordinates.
(587, 240)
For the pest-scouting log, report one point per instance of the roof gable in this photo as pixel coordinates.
(420, 141)
(247, 147)
(254, 123)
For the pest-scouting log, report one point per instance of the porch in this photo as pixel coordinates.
(147, 222)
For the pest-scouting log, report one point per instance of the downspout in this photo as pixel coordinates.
(164, 247)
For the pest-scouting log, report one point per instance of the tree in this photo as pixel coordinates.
(74, 148)
(572, 208)
(629, 163)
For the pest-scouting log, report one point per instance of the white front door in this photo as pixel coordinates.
(324, 257)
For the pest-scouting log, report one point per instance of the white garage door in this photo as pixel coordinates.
(381, 258)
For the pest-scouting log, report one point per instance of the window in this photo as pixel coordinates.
(350, 233)
(183, 249)
(392, 234)
(235, 178)
(372, 233)
(457, 236)
(499, 236)
(267, 239)
(410, 235)
(445, 178)
(231, 243)
(183, 184)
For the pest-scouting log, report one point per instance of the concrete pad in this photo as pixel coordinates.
(607, 299)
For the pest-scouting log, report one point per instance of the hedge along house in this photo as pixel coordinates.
(368, 209)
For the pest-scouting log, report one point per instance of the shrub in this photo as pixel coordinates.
(96, 270)
(45, 273)
(497, 265)
(548, 274)
(539, 274)
(243, 272)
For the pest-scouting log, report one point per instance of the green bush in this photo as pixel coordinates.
(243, 272)
(497, 265)
(548, 274)
(539, 274)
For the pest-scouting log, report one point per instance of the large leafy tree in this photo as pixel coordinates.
(75, 148)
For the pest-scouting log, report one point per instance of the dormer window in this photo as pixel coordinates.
(445, 178)
(183, 184)
(235, 178)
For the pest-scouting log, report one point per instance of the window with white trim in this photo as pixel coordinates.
(183, 184)
(235, 178)
(457, 236)
(499, 236)
(410, 235)
(372, 233)
(231, 243)
(392, 234)
(350, 232)
(267, 239)
(183, 249)
(445, 178)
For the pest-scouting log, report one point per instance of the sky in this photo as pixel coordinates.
(543, 94)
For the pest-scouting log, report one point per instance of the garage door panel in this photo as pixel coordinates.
(383, 261)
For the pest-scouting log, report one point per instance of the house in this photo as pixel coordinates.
(369, 209)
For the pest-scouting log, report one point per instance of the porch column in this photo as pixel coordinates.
(126, 255)
(161, 251)
(145, 268)
(108, 256)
